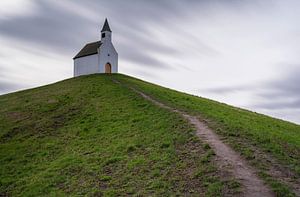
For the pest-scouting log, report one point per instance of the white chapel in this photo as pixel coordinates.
(97, 57)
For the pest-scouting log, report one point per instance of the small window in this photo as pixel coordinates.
(103, 35)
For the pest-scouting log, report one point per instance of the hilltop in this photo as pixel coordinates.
(98, 135)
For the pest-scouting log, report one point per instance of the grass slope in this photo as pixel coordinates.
(254, 135)
(90, 136)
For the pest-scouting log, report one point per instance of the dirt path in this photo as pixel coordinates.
(227, 158)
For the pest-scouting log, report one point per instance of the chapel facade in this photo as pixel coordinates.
(97, 57)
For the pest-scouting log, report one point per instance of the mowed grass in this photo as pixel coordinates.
(90, 136)
(246, 131)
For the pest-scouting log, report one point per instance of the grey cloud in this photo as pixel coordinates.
(288, 85)
(143, 59)
(8, 86)
(227, 89)
(275, 105)
(3, 71)
(54, 26)
(51, 27)
(283, 93)
(66, 32)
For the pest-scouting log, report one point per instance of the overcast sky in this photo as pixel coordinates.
(242, 52)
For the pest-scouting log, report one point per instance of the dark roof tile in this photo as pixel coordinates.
(89, 49)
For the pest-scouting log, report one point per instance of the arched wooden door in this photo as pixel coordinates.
(107, 68)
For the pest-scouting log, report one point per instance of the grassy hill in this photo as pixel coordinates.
(91, 136)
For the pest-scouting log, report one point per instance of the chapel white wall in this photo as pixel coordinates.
(108, 54)
(86, 65)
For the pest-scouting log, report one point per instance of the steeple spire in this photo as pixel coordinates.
(106, 26)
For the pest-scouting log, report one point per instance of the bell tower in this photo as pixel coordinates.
(106, 32)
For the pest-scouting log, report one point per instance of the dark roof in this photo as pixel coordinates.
(106, 26)
(89, 49)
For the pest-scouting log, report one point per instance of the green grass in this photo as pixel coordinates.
(247, 132)
(90, 136)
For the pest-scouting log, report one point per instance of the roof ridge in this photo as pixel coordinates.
(93, 42)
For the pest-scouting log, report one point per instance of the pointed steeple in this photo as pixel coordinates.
(106, 26)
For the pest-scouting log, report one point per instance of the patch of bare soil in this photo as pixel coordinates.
(227, 159)
(16, 116)
(283, 174)
(277, 170)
